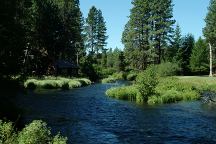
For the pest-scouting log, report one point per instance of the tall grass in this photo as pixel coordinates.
(124, 93)
(56, 83)
(168, 90)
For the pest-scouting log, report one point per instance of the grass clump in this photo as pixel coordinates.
(124, 93)
(36, 132)
(114, 77)
(171, 90)
(108, 80)
(56, 83)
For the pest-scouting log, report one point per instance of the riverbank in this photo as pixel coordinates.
(168, 90)
(49, 82)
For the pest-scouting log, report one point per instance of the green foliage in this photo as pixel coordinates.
(167, 69)
(7, 134)
(95, 31)
(171, 90)
(56, 82)
(199, 62)
(12, 36)
(108, 80)
(147, 32)
(124, 93)
(185, 52)
(36, 132)
(132, 76)
(168, 90)
(146, 82)
(209, 30)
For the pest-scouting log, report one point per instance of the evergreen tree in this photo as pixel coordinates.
(173, 49)
(161, 23)
(101, 32)
(199, 58)
(91, 29)
(209, 30)
(185, 53)
(12, 36)
(148, 32)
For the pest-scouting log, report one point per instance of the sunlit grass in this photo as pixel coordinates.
(56, 83)
(169, 90)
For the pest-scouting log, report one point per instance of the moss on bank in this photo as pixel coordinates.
(168, 90)
(56, 83)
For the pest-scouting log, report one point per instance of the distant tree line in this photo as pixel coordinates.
(36, 33)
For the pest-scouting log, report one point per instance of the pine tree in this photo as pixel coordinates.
(101, 32)
(161, 23)
(209, 30)
(148, 32)
(91, 29)
(12, 36)
(185, 52)
(199, 57)
(173, 49)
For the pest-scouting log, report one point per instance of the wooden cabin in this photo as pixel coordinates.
(66, 68)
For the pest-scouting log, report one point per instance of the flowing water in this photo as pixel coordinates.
(86, 115)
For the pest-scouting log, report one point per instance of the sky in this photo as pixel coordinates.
(189, 14)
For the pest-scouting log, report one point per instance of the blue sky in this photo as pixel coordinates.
(189, 14)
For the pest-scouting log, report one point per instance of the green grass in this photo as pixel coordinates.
(169, 90)
(56, 83)
(123, 93)
(114, 77)
(109, 80)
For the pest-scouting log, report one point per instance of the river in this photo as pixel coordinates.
(86, 116)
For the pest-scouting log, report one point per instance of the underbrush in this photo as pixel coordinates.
(36, 132)
(56, 83)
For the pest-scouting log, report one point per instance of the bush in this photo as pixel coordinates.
(7, 134)
(146, 82)
(132, 76)
(36, 132)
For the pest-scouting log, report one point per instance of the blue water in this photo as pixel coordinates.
(87, 116)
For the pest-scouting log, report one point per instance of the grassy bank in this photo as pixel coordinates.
(56, 83)
(168, 90)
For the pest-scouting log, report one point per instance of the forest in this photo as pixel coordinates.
(49, 44)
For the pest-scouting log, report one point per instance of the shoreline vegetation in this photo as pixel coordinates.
(50, 82)
(159, 85)
(168, 90)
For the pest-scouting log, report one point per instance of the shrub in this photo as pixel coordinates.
(146, 82)
(7, 134)
(132, 76)
(36, 132)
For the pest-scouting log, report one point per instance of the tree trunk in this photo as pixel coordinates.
(210, 60)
